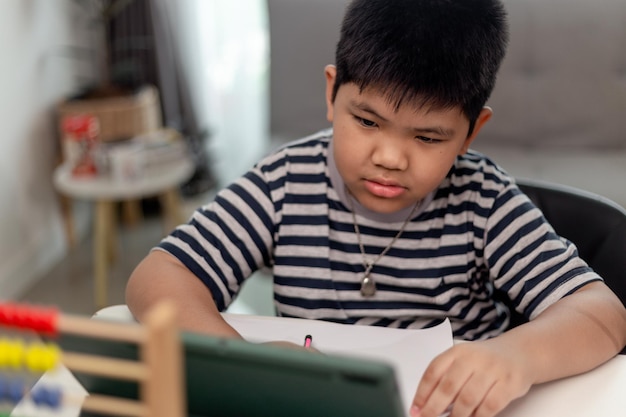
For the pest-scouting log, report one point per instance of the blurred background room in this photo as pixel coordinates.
(208, 63)
(236, 78)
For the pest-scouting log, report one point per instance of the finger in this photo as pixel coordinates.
(430, 379)
(446, 390)
(472, 394)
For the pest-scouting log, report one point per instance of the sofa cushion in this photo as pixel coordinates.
(563, 81)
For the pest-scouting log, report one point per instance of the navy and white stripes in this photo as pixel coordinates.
(475, 233)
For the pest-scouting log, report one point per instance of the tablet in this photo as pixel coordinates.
(235, 378)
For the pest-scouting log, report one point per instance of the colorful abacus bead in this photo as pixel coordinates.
(37, 357)
(11, 389)
(41, 320)
(15, 391)
(47, 396)
(41, 357)
(11, 353)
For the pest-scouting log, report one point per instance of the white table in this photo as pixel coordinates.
(162, 180)
(598, 393)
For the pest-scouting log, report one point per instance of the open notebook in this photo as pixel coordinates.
(233, 378)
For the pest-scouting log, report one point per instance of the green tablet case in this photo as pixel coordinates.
(234, 378)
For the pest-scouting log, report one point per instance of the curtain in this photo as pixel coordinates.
(143, 51)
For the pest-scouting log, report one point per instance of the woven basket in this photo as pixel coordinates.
(120, 117)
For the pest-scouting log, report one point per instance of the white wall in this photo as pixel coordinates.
(34, 75)
(304, 34)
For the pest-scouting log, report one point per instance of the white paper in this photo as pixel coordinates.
(409, 351)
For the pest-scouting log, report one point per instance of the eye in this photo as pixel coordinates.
(425, 139)
(365, 122)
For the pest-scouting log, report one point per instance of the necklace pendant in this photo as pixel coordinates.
(368, 287)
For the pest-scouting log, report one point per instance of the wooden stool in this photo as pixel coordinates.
(162, 180)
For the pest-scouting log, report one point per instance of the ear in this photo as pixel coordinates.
(483, 118)
(330, 71)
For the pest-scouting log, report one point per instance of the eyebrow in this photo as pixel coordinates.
(438, 130)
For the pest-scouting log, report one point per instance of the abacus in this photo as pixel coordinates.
(158, 372)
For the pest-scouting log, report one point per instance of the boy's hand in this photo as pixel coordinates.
(479, 379)
(475, 379)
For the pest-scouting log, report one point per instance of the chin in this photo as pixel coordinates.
(384, 206)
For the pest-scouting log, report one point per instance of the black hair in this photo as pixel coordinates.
(437, 53)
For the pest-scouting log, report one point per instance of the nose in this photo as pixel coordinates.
(389, 153)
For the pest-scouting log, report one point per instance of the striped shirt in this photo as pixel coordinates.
(477, 232)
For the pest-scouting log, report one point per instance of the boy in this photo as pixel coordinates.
(389, 219)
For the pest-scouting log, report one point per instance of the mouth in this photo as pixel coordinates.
(384, 189)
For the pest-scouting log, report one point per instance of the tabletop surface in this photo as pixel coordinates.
(597, 393)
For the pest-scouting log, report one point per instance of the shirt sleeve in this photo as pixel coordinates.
(228, 239)
(527, 260)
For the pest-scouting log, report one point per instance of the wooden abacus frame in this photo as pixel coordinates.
(158, 370)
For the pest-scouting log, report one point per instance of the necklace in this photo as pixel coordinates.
(368, 285)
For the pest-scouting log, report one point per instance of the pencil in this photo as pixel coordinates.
(308, 339)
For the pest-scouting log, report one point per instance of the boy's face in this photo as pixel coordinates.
(389, 159)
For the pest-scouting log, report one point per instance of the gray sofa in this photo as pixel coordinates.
(559, 103)
(560, 99)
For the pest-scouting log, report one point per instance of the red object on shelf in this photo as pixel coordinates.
(80, 138)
